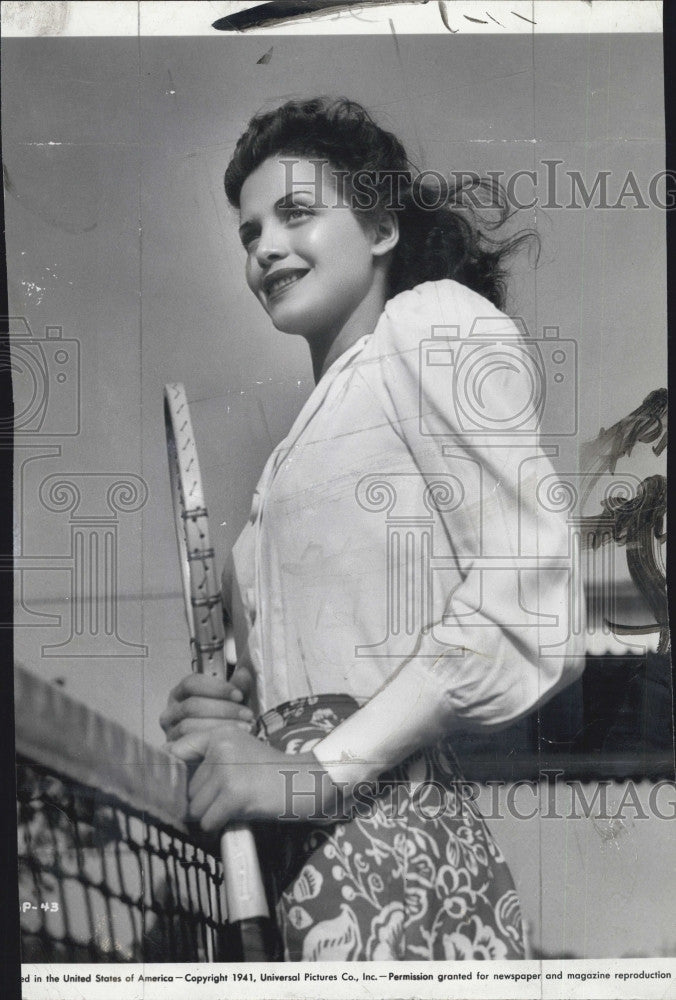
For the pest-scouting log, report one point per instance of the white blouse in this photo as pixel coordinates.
(402, 538)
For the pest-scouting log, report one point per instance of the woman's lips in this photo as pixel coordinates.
(277, 283)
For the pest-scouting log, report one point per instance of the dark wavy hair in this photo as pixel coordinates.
(455, 239)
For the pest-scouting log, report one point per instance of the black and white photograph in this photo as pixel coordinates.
(337, 343)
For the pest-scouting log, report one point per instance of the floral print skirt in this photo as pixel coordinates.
(409, 872)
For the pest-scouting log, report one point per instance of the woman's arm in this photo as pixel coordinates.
(500, 640)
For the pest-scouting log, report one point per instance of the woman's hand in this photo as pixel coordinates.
(242, 778)
(201, 702)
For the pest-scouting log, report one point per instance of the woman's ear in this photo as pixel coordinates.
(385, 233)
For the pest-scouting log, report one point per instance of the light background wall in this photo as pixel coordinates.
(118, 231)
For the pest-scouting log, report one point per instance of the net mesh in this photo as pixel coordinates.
(103, 877)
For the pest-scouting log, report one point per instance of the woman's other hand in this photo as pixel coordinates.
(242, 778)
(201, 702)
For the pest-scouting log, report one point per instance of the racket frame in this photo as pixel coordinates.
(245, 894)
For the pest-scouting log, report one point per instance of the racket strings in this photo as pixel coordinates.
(201, 590)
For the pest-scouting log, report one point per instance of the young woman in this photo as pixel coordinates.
(402, 575)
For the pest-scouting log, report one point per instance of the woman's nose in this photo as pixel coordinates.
(270, 246)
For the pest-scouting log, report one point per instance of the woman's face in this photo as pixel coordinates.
(310, 262)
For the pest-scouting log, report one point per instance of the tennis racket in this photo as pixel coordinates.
(245, 895)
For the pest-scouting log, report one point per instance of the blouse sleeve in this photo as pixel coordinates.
(463, 388)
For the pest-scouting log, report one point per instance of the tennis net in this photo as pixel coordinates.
(109, 871)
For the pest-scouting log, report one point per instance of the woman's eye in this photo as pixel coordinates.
(296, 212)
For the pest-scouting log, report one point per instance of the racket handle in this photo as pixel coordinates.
(244, 890)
